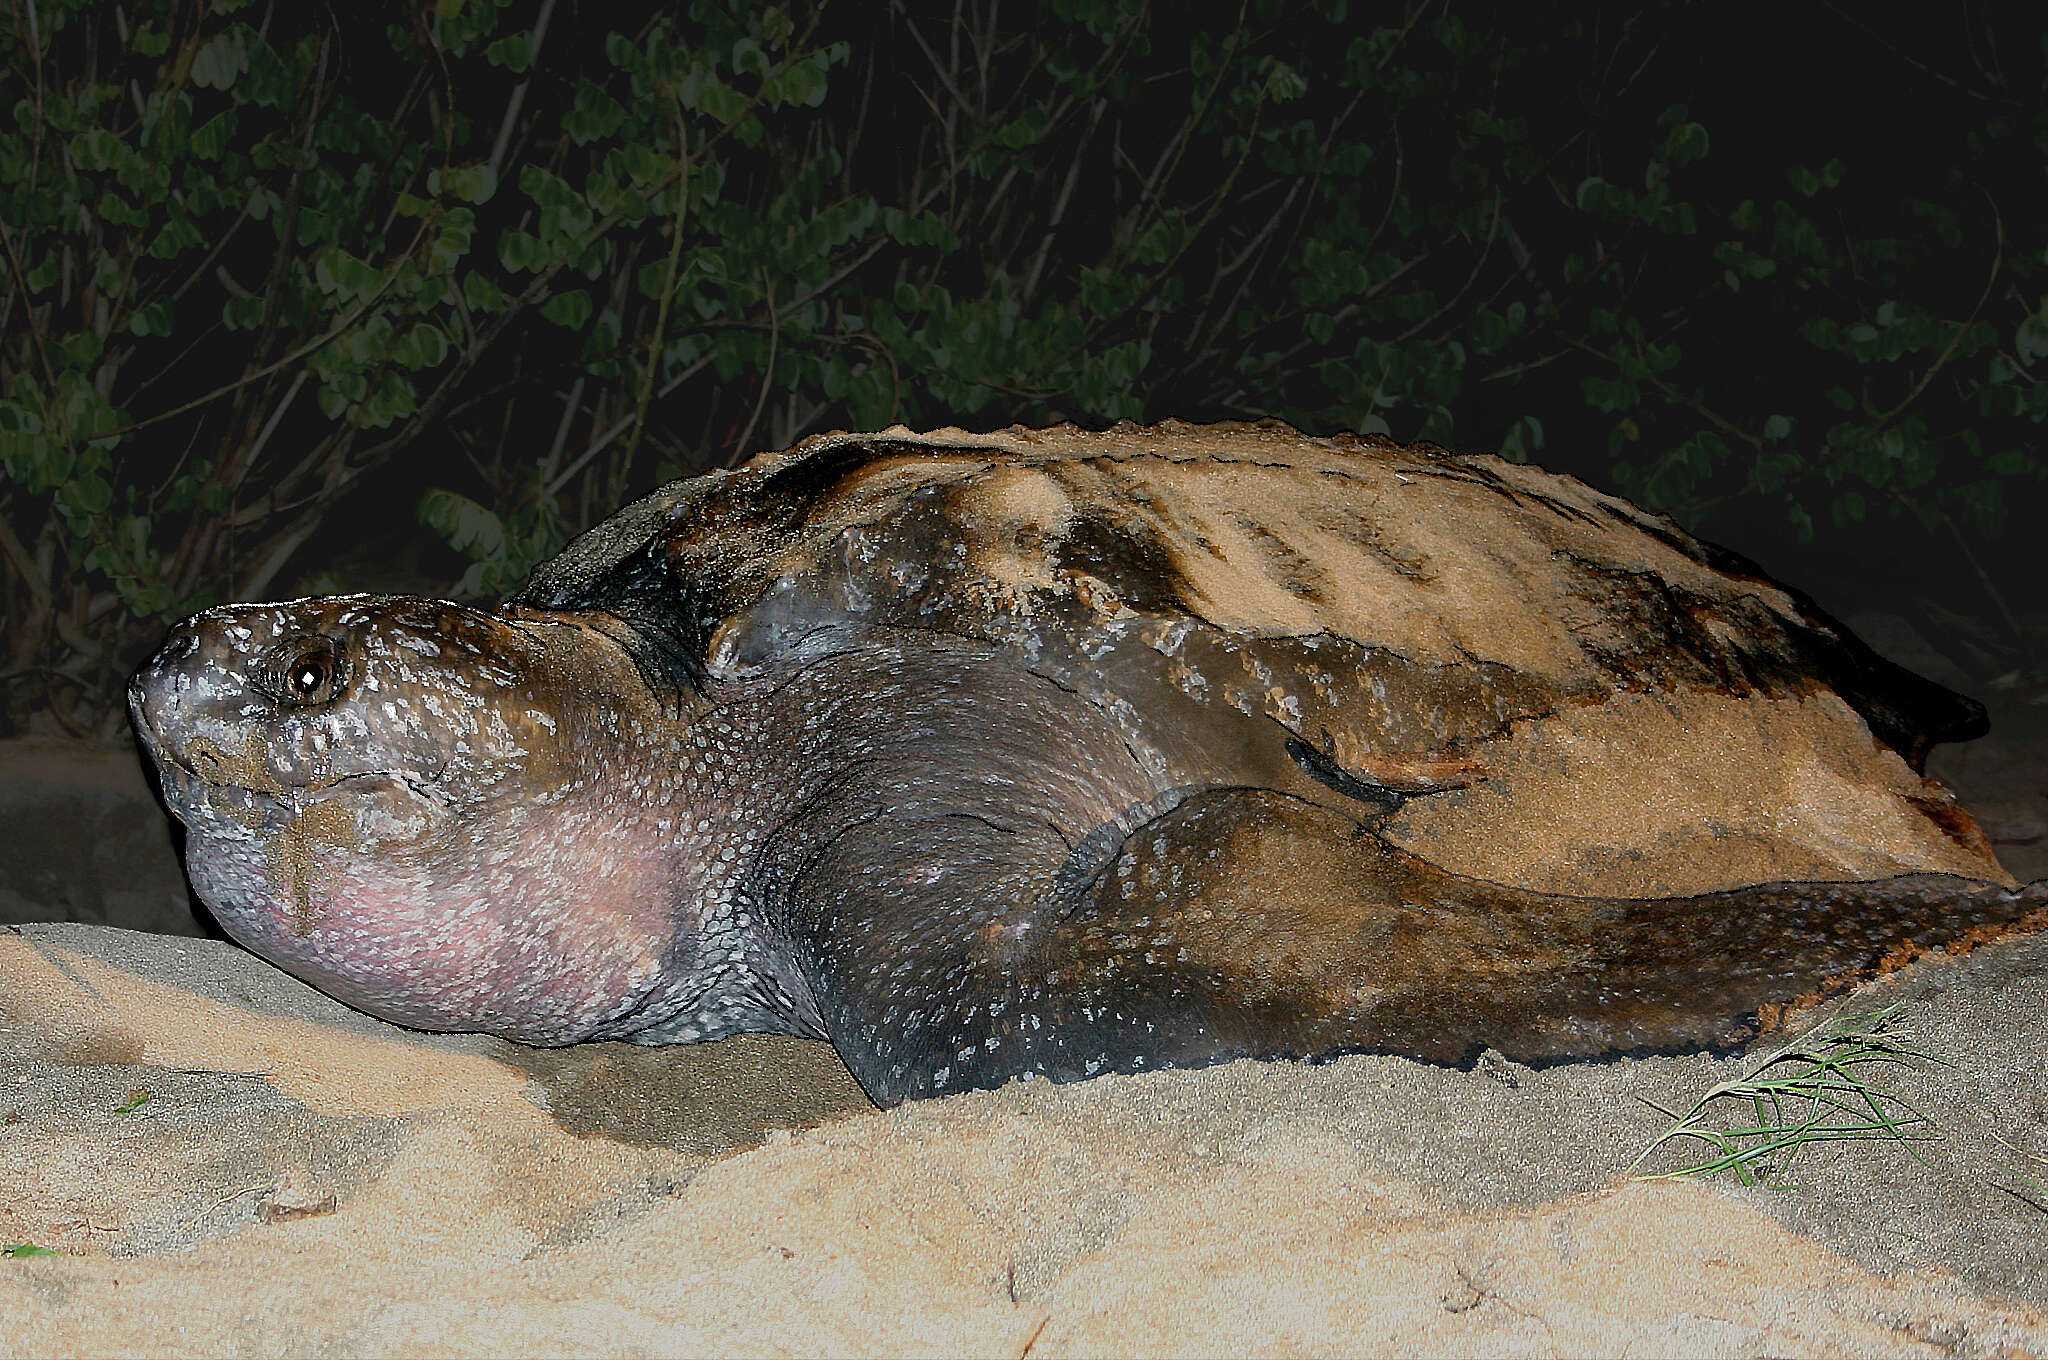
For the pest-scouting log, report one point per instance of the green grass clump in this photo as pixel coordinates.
(1815, 1089)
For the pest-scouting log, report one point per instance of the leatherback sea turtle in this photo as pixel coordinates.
(1055, 752)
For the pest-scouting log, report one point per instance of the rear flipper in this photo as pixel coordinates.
(1245, 923)
(1288, 933)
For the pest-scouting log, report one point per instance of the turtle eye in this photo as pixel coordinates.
(311, 674)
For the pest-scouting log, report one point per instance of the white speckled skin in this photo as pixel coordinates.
(436, 839)
(494, 824)
(1051, 753)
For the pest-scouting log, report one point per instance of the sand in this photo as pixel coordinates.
(231, 1163)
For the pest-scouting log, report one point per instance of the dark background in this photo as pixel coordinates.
(300, 298)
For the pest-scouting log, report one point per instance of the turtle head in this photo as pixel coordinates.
(432, 813)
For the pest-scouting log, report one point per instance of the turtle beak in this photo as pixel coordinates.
(153, 704)
(153, 692)
(200, 713)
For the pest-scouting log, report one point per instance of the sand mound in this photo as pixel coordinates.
(230, 1162)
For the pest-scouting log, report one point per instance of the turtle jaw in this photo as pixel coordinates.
(460, 919)
(385, 806)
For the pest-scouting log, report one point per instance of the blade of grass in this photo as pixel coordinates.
(1811, 1090)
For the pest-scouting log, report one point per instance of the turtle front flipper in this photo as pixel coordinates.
(1247, 923)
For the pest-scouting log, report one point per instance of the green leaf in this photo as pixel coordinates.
(518, 250)
(179, 234)
(97, 148)
(467, 527)
(424, 346)
(337, 272)
(1282, 83)
(1688, 143)
(720, 101)
(1523, 438)
(514, 53)
(546, 188)
(747, 56)
(155, 319)
(801, 83)
(241, 313)
(568, 310)
(482, 293)
(211, 138)
(476, 183)
(393, 399)
(2030, 340)
(643, 164)
(113, 208)
(87, 492)
(81, 349)
(221, 61)
(593, 115)
(23, 1250)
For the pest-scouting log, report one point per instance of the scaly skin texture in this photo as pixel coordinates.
(1057, 752)
(954, 869)
(488, 823)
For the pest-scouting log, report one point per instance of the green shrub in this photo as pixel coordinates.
(254, 256)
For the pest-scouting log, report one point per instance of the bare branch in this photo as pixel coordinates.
(1963, 326)
(518, 96)
(767, 374)
(656, 341)
(619, 427)
(1493, 229)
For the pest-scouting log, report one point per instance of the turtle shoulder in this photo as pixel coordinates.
(702, 553)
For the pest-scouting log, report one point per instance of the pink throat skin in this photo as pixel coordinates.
(544, 930)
